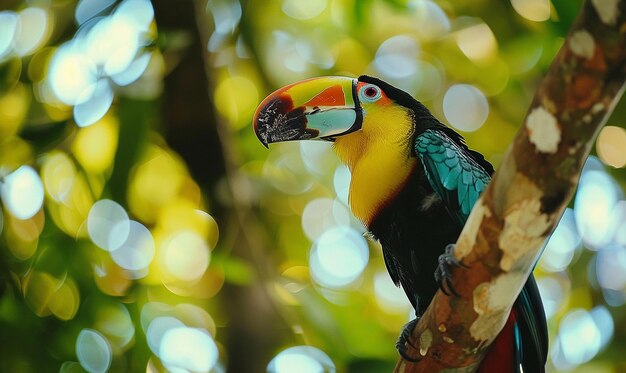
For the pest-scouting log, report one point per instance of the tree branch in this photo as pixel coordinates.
(507, 229)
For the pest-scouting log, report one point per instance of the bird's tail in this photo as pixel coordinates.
(503, 356)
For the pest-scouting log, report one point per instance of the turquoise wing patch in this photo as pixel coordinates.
(452, 173)
(456, 176)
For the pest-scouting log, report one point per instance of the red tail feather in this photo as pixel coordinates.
(501, 355)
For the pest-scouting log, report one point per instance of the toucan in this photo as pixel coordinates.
(413, 184)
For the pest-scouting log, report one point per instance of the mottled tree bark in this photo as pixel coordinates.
(519, 210)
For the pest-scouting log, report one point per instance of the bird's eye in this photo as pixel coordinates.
(370, 93)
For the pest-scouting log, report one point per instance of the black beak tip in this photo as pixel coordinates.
(260, 130)
(277, 121)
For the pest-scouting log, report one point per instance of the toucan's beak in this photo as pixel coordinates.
(318, 108)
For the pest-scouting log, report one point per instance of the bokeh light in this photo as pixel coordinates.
(137, 251)
(157, 328)
(65, 300)
(14, 106)
(110, 278)
(226, 15)
(72, 74)
(477, 42)
(94, 108)
(593, 206)
(87, 9)
(108, 224)
(321, 214)
(285, 170)
(93, 351)
(22, 192)
(71, 367)
(114, 321)
(396, 58)
(23, 235)
(341, 182)
(465, 107)
(338, 257)
(138, 13)
(389, 297)
(595, 328)
(432, 20)
(59, 174)
(317, 156)
(8, 25)
(236, 99)
(46, 295)
(562, 245)
(33, 28)
(94, 146)
(533, 10)
(305, 359)
(552, 295)
(185, 255)
(619, 220)
(196, 317)
(189, 349)
(104, 48)
(611, 276)
(605, 324)
(134, 70)
(157, 179)
(112, 43)
(303, 10)
(611, 146)
(286, 56)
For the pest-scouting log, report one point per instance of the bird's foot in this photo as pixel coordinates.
(403, 339)
(443, 273)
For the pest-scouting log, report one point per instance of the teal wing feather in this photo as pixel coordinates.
(455, 174)
(452, 173)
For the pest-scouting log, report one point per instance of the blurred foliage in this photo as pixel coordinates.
(144, 228)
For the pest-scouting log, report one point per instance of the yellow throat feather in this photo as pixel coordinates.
(378, 156)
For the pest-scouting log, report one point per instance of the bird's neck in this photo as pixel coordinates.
(380, 168)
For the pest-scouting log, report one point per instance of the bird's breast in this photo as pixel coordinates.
(375, 184)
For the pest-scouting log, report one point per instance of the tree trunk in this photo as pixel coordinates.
(256, 326)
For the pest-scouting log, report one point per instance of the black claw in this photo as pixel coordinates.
(443, 273)
(403, 339)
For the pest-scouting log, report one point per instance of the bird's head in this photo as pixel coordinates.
(371, 123)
